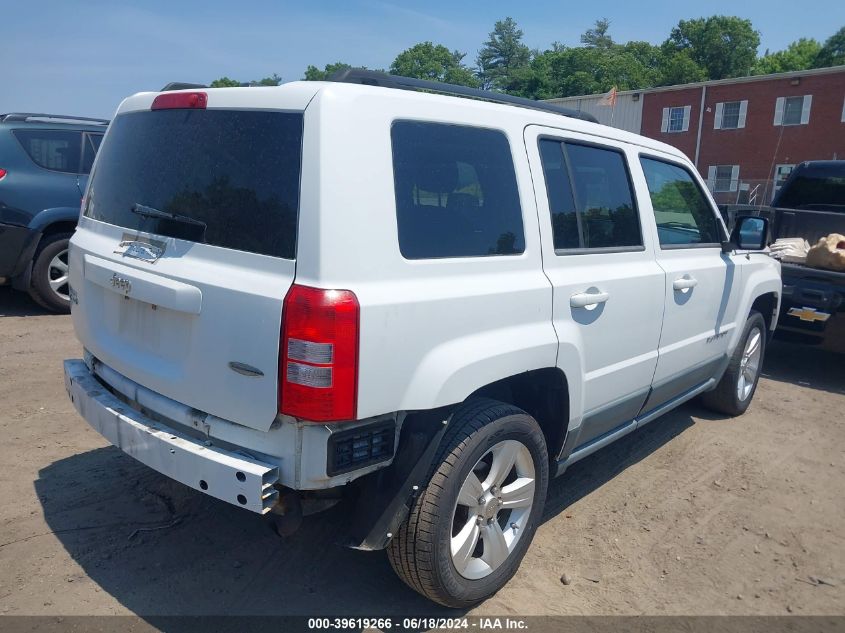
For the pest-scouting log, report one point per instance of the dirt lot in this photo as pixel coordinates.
(691, 515)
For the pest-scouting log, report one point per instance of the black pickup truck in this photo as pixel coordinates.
(811, 204)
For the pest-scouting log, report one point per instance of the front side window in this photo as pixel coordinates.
(590, 197)
(456, 192)
(681, 210)
(57, 150)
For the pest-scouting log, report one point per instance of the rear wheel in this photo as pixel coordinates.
(50, 285)
(735, 390)
(470, 528)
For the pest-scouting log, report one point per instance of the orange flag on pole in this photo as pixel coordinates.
(609, 99)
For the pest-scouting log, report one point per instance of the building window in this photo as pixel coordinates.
(843, 111)
(675, 119)
(730, 115)
(793, 110)
(722, 178)
(781, 174)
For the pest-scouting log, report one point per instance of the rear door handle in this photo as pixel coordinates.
(685, 283)
(588, 299)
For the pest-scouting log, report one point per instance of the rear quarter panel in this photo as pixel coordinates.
(432, 331)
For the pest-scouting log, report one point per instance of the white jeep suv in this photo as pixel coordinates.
(421, 303)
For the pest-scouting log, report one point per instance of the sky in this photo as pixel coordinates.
(83, 57)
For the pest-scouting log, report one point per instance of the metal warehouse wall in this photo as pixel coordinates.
(627, 115)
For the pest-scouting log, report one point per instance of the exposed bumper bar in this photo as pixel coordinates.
(240, 480)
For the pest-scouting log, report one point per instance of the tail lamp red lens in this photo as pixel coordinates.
(3, 173)
(183, 100)
(318, 372)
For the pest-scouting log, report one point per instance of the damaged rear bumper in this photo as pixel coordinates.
(237, 479)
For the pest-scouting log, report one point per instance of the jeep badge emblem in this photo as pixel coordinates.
(121, 283)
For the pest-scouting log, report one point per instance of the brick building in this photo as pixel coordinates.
(744, 135)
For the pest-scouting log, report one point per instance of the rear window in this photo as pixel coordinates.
(820, 187)
(57, 150)
(456, 193)
(227, 178)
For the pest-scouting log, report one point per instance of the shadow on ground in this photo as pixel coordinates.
(14, 303)
(161, 548)
(806, 366)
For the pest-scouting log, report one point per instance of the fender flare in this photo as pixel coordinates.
(759, 284)
(45, 218)
(37, 225)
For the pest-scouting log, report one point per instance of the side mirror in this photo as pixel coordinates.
(750, 233)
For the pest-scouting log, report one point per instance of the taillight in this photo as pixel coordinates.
(318, 356)
(172, 100)
(3, 173)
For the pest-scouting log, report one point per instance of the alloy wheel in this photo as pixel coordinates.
(749, 365)
(493, 507)
(57, 273)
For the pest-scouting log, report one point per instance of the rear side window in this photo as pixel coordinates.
(227, 178)
(58, 150)
(456, 193)
(590, 196)
(683, 215)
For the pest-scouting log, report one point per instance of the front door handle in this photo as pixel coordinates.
(685, 283)
(588, 299)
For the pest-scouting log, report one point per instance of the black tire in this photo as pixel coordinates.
(420, 553)
(40, 289)
(725, 397)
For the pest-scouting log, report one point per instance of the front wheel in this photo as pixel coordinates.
(735, 390)
(470, 528)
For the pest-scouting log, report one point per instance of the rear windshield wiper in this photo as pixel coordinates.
(152, 212)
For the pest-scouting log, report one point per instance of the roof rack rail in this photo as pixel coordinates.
(383, 80)
(181, 85)
(26, 116)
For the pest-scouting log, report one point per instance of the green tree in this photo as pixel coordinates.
(225, 82)
(800, 55)
(312, 73)
(273, 80)
(725, 46)
(597, 36)
(564, 72)
(679, 68)
(502, 54)
(833, 51)
(434, 62)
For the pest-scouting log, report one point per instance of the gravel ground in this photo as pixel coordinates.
(692, 515)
